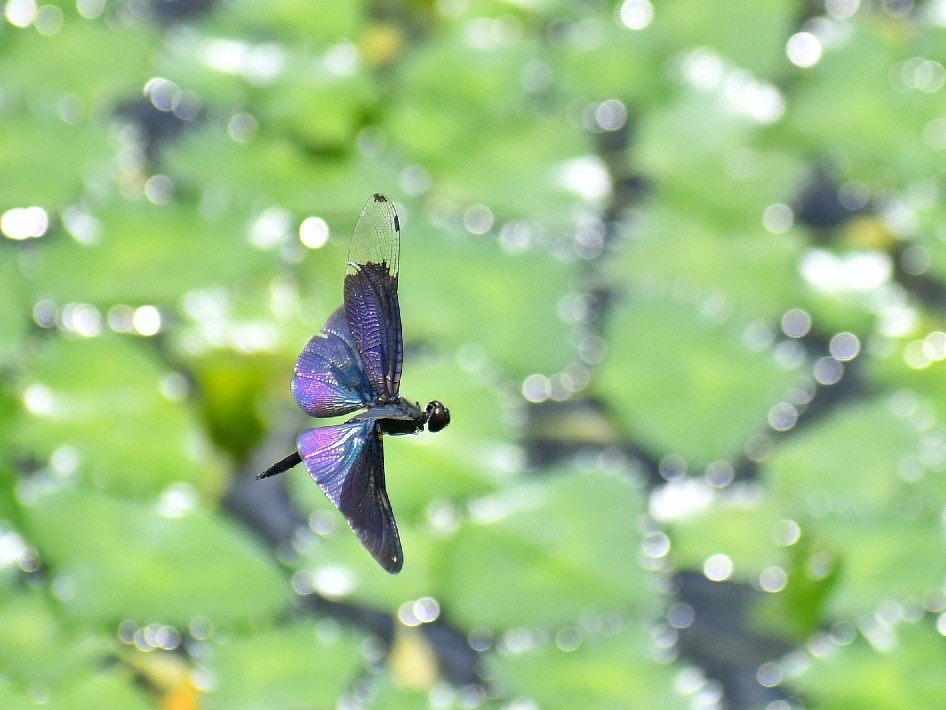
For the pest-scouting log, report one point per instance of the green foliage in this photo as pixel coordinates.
(297, 666)
(859, 674)
(602, 229)
(558, 546)
(98, 423)
(596, 673)
(657, 336)
(138, 574)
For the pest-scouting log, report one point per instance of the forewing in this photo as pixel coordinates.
(376, 238)
(371, 304)
(328, 379)
(347, 461)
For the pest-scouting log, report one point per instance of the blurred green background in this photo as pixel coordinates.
(677, 268)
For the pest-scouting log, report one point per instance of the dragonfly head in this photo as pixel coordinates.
(438, 416)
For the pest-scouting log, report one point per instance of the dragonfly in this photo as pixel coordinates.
(354, 363)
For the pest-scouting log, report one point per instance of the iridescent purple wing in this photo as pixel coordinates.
(347, 461)
(328, 379)
(371, 295)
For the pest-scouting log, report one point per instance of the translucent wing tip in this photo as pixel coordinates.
(378, 197)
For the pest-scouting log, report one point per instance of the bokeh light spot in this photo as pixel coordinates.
(162, 93)
(45, 313)
(314, 232)
(718, 567)
(175, 387)
(778, 218)
(48, 20)
(934, 345)
(828, 371)
(426, 610)
(39, 399)
(270, 228)
(914, 355)
(333, 582)
(177, 501)
(915, 259)
(796, 323)
(656, 545)
(610, 115)
(636, 14)
(119, 318)
(405, 614)
(587, 177)
(941, 624)
(24, 222)
(703, 69)
(786, 533)
(681, 616)
(859, 271)
(536, 388)
(680, 499)
(568, 639)
(844, 346)
(146, 320)
(478, 219)
(242, 126)
(841, 9)
(783, 416)
(20, 13)
(342, 59)
(672, 467)
(803, 49)
(720, 473)
(90, 9)
(159, 189)
(415, 180)
(773, 579)
(921, 74)
(64, 460)
(82, 318)
(12, 548)
(82, 225)
(769, 674)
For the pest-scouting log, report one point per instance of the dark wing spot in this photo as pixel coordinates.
(378, 197)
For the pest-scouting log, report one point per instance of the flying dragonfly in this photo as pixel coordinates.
(354, 363)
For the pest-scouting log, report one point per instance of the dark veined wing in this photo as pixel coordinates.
(329, 379)
(371, 295)
(347, 461)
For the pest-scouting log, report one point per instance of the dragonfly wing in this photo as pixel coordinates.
(329, 379)
(347, 461)
(371, 304)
